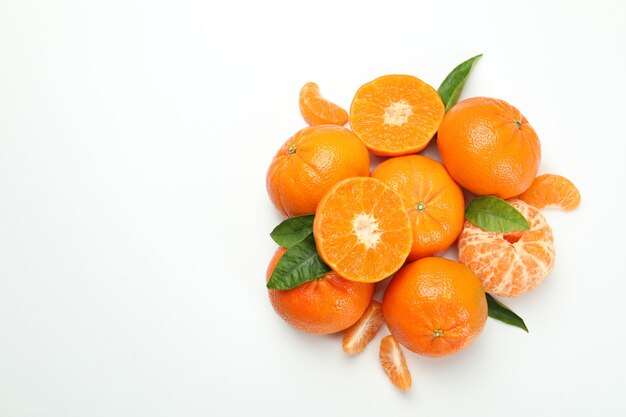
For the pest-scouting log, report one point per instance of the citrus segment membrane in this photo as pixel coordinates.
(316, 110)
(552, 191)
(393, 362)
(363, 331)
(510, 264)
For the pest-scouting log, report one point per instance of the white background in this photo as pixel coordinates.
(134, 221)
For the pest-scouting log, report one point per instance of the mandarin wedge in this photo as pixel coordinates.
(362, 230)
(326, 305)
(393, 362)
(396, 114)
(435, 306)
(489, 147)
(310, 163)
(552, 191)
(363, 331)
(316, 110)
(434, 202)
(509, 264)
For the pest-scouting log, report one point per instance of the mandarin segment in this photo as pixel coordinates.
(326, 305)
(362, 230)
(316, 110)
(435, 307)
(434, 202)
(310, 163)
(363, 331)
(489, 147)
(509, 264)
(396, 114)
(393, 363)
(552, 191)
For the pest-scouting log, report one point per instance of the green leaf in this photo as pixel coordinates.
(495, 215)
(450, 89)
(299, 264)
(293, 230)
(499, 311)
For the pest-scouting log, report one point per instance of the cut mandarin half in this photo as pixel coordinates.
(393, 362)
(396, 114)
(362, 230)
(552, 191)
(363, 331)
(509, 264)
(316, 110)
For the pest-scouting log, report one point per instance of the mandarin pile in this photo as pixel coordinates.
(347, 229)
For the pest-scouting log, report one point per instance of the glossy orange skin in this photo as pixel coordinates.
(310, 163)
(323, 306)
(316, 110)
(433, 201)
(435, 307)
(489, 148)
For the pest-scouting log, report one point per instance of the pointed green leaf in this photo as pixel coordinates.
(499, 311)
(301, 263)
(495, 215)
(450, 89)
(293, 230)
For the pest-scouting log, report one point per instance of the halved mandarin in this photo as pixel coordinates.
(396, 114)
(317, 110)
(362, 230)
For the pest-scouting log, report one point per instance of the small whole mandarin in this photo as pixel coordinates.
(435, 307)
(489, 148)
(433, 201)
(310, 163)
(326, 305)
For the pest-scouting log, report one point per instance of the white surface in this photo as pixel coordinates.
(134, 221)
